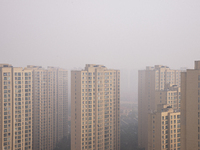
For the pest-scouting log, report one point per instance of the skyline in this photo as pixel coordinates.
(75, 108)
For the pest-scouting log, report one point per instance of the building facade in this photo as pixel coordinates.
(164, 132)
(58, 96)
(95, 108)
(190, 108)
(50, 106)
(153, 79)
(15, 108)
(33, 107)
(171, 95)
(42, 136)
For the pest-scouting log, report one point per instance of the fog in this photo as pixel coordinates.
(119, 34)
(126, 35)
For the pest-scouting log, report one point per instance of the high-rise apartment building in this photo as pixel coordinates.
(58, 95)
(42, 110)
(171, 95)
(190, 108)
(149, 81)
(95, 108)
(15, 108)
(50, 106)
(164, 129)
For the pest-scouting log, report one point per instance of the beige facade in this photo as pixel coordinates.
(95, 108)
(190, 108)
(42, 139)
(15, 108)
(151, 80)
(164, 131)
(171, 95)
(50, 100)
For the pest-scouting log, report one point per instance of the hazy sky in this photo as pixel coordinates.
(116, 33)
